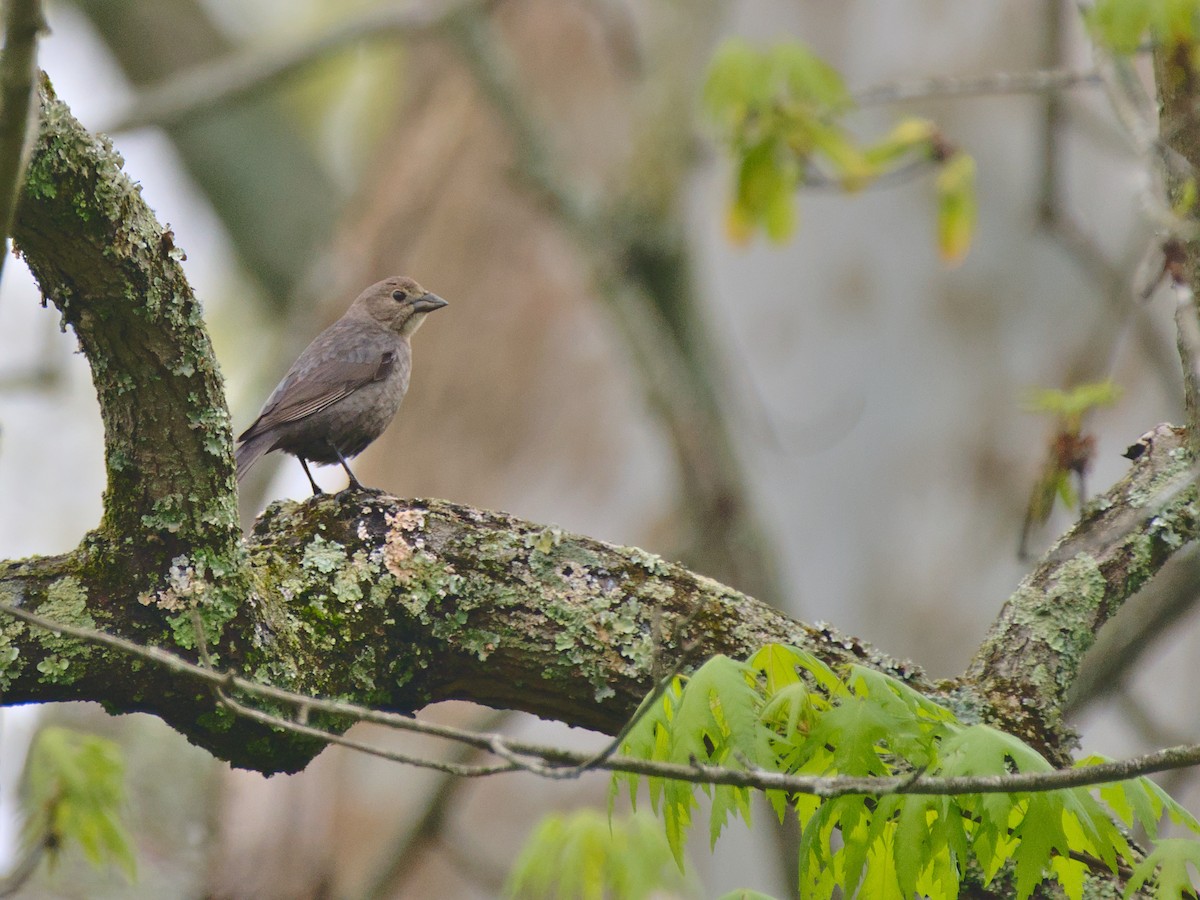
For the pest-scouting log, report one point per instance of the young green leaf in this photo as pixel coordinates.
(587, 855)
(75, 785)
(957, 208)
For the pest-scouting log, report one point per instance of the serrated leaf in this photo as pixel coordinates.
(913, 838)
(1070, 874)
(585, 855)
(1168, 866)
(778, 663)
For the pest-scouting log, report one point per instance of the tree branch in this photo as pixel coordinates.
(401, 604)
(559, 763)
(256, 69)
(1031, 655)
(113, 272)
(23, 22)
(992, 84)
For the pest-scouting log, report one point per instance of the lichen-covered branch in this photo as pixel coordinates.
(100, 256)
(397, 605)
(1032, 653)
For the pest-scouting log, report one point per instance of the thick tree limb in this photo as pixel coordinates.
(395, 604)
(401, 604)
(113, 271)
(559, 763)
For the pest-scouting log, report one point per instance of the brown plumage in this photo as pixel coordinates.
(347, 385)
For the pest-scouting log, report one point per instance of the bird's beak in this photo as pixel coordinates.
(428, 303)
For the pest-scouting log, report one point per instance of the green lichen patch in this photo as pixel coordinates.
(543, 541)
(9, 654)
(322, 555)
(66, 601)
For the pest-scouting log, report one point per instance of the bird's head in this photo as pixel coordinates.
(398, 303)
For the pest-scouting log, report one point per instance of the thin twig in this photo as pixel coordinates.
(552, 761)
(23, 23)
(430, 825)
(256, 69)
(300, 724)
(993, 84)
(25, 868)
(687, 648)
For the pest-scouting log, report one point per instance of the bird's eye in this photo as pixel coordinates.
(399, 296)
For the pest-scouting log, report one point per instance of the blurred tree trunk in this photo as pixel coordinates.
(257, 171)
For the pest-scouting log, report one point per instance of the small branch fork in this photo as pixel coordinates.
(559, 763)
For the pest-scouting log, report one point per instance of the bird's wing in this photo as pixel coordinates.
(318, 381)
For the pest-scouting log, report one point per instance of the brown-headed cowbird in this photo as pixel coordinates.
(346, 386)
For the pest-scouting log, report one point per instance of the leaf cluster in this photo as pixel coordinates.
(1070, 449)
(781, 111)
(75, 794)
(590, 856)
(1123, 25)
(784, 710)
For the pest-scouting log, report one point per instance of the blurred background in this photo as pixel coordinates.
(834, 424)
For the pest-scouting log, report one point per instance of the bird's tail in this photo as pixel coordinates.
(249, 451)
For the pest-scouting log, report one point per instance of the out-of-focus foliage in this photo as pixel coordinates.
(780, 113)
(1071, 448)
(1070, 406)
(1124, 25)
(586, 855)
(75, 793)
(786, 711)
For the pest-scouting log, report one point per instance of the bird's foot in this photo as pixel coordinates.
(357, 487)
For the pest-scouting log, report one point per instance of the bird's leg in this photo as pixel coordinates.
(317, 492)
(354, 483)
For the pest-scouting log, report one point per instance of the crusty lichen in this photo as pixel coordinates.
(67, 602)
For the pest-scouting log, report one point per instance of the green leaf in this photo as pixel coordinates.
(786, 711)
(1039, 834)
(587, 855)
(1167, 865)
(75, 785)
(957, 207)
(1070, 405)
(738, 81)
(805, 76)
(765, 184)
(848, 162)
(1120, 24)
(907, 137)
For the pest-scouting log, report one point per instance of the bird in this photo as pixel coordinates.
(346, 387)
